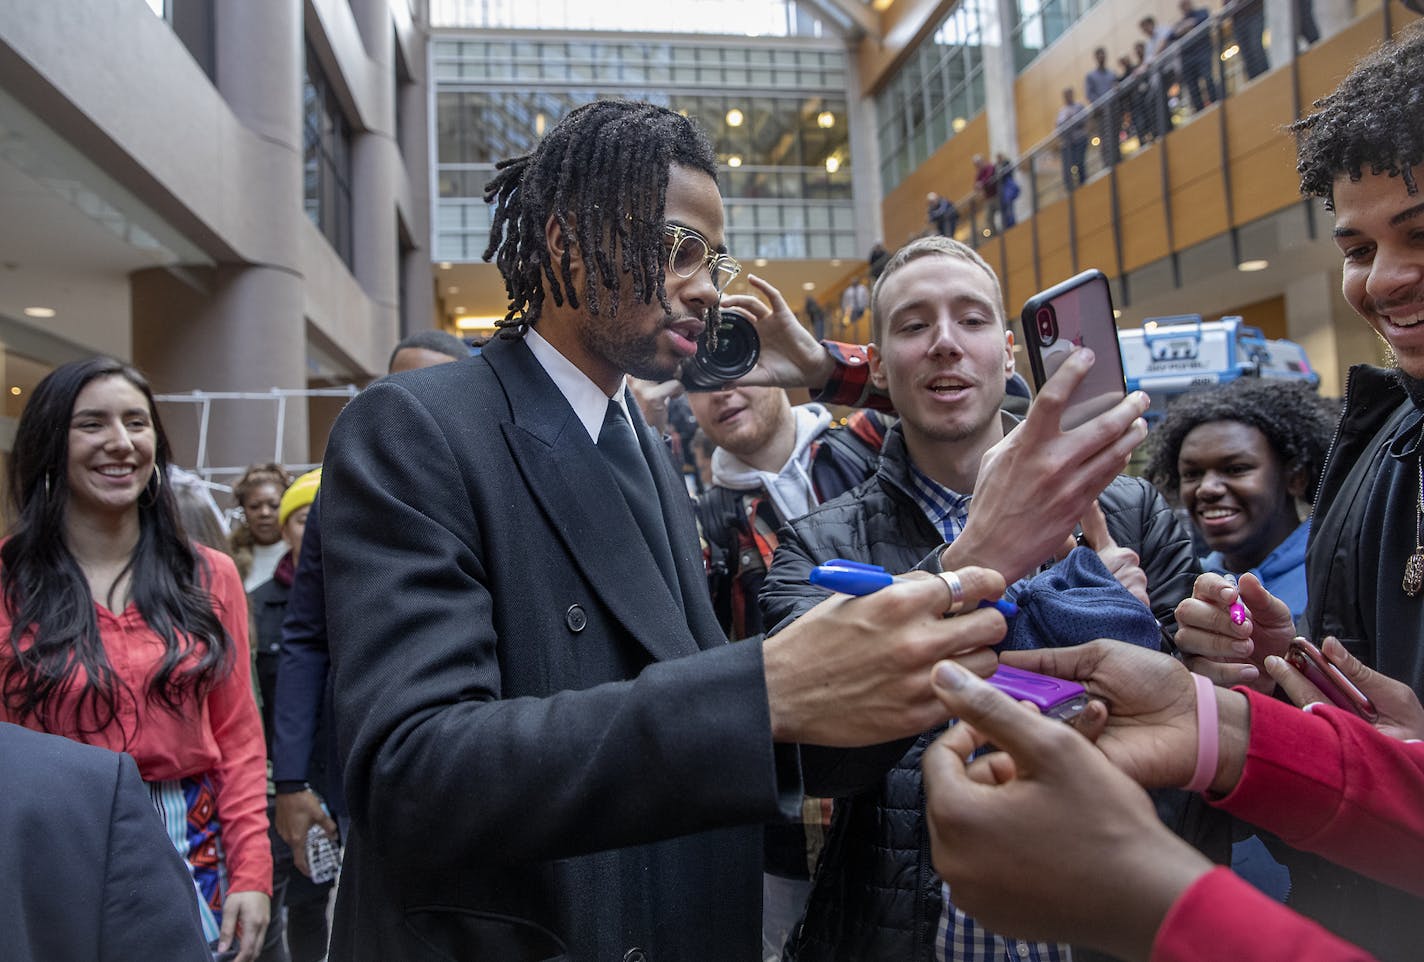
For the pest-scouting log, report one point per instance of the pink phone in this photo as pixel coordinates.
(1076, 313)
(1311, 662)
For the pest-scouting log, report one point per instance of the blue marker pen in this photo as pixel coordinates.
(857, 578)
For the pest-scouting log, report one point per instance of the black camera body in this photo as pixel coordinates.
(726, 351)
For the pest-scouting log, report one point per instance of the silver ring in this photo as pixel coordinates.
(956, 591)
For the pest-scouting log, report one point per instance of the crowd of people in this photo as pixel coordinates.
(1172, 65)
(555, 699)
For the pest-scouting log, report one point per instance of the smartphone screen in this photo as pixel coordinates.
(1076, 313)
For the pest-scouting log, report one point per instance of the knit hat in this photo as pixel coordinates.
(301, 493)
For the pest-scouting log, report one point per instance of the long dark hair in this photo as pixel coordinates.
(46, 594)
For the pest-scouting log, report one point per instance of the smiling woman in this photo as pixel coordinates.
(1242, 459)
(117, 631)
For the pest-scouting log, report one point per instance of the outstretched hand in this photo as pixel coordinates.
(1400, 713)
(1045, 839)
(1227, 652)
(1035, 484)
(854, 671)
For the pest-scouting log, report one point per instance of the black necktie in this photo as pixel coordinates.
(630, 469)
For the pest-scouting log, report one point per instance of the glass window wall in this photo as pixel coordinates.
(934, 93)
(783, 147)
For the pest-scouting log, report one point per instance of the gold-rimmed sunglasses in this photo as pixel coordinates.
(690, 252)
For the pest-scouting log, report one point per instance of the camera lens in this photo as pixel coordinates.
(724, 353)
(1047, 326)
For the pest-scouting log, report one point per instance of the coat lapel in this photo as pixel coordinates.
(682, 533)
(568, 478)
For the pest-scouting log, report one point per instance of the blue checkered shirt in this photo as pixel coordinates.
(958, 938)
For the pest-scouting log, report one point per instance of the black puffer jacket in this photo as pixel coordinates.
(876, 896)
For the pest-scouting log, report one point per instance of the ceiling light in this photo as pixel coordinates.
(453, 289)
(760, 262)
(39, 312)
(1250, 267)
(476, 323)
(958, 123)
(446, 265)
(1116, 313)
(880, 6)
(825, 120)
(988, 232)
(1097, 141)
(808, 286)
(835, 262)
(459, 310)
(833, 164)
(16, 390)
(1230, 52)
(735, 160)
(735, 117)
(540, 122)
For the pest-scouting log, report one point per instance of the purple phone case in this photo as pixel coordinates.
(1054, 697)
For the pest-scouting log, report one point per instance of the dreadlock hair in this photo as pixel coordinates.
(602, 173)
(1296, 422)
(54, 640)
(1371, 121)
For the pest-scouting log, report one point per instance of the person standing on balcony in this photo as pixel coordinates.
(1098, 86)
(1072, 140)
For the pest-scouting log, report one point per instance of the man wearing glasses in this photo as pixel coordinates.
(551, 750)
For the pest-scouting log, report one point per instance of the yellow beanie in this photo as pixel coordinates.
(301, 493)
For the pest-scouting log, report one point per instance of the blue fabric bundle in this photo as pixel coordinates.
(1074, 602)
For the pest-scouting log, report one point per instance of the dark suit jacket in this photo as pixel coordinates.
(302, 749)
(87, 872)
(545, 758)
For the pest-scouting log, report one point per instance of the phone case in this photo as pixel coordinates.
(323, 856)
(1054, 697)
(1305, 658)
(1076, 313)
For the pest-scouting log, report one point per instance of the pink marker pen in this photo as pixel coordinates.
(1238, 611)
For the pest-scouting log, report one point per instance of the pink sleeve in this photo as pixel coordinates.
(240, 778)
(1354, 792)
(1222, 916)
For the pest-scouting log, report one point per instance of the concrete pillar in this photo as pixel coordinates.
(1333, 335)
(861, 126)
(240, 327)
(999, 77)
(228, 329)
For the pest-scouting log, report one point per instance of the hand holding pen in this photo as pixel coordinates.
(1229, 626)
(1054, 697)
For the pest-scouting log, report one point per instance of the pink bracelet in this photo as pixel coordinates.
(1208, 736)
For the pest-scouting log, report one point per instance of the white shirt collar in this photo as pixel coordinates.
(587, 399)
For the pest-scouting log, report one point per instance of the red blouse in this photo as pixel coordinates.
(222, 736)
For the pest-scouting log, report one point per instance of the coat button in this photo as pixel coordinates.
(635, 954)
(575, 618)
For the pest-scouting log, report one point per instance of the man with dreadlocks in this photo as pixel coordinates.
(1361, 151)
(551, 750)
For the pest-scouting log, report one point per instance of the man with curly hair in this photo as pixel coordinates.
(1361, 151)
(1240, 459)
